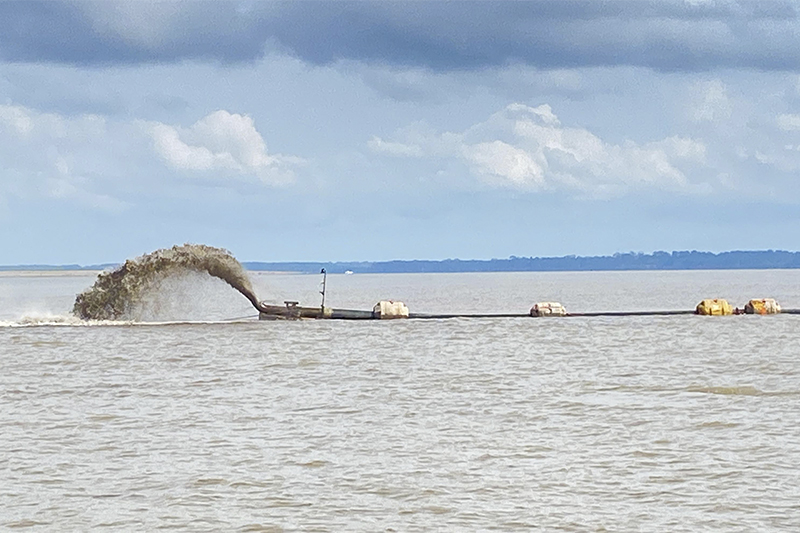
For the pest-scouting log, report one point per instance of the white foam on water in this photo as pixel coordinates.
(34, 319)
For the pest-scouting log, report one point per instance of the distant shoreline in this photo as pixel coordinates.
(43, 273)
(693, 260)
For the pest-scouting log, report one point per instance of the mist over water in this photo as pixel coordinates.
(189, 296)
(123, 293)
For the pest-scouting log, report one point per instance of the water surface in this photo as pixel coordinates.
(678, 423)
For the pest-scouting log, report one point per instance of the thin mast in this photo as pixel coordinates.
(324, 285)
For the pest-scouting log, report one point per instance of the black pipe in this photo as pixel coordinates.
(470, 315)
(635, 313)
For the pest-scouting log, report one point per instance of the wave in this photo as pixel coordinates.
(743, 390)
(52, 320)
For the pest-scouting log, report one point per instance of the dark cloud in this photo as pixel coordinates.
(658, 34)
(126, 32)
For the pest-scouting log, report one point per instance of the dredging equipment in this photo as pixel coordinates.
(389, 309)
(290, 310)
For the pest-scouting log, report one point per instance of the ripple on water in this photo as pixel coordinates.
(573, 425)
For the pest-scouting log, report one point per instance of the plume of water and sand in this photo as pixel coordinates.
(134, 287)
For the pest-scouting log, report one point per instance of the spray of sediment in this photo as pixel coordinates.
(115, 293)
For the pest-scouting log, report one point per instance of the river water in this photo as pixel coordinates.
(187, 421)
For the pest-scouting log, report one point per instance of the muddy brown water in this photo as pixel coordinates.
(190, 423)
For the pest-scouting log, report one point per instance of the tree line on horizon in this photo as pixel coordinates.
(683, 260)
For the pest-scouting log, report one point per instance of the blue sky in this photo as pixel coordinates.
(397, 130)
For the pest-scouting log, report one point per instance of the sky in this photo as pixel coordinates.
(368, 131)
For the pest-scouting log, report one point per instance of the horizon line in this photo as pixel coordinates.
(617, 256)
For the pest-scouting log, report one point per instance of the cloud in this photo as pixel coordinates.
(16, 119)
(125, 32)
(788, 122)
(507, 163)
(527, 148)
(43, 154)
(659, 34)
(69, 187)
(92, 161)
(377, 144)
(222, 141)
(711, 102)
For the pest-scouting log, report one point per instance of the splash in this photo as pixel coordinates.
(117, 292)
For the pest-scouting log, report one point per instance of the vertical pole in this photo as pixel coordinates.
(324, 284)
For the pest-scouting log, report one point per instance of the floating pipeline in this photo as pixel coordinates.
(395, 310)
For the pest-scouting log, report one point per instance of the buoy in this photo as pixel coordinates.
(386, 309)
(764, 306)
(715, 307)
(548, 309)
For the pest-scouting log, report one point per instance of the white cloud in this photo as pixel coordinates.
(710, 102)
(543, 113)
(528, 148)
(17, 119)
(105, 164)
(45, 154)
(682, 148)
(501, 162)
(180, 155)
(222, 141)
(789, 122)
(71, 188)
(392, 148)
